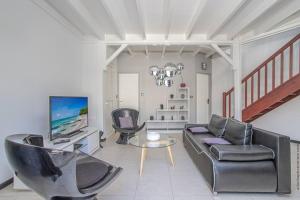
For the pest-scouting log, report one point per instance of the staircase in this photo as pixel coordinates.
(271, 84)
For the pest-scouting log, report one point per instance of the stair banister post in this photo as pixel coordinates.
(237, 70)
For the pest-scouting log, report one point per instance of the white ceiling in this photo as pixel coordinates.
(174, 19)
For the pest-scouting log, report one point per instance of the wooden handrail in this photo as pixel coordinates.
(279, 51)
(264, 65)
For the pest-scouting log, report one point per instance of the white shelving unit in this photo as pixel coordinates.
(174, 119)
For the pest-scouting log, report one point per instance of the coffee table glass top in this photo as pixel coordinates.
(140, 140)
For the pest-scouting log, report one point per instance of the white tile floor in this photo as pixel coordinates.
(160, 181)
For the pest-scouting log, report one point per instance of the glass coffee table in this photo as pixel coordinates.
(141, 141)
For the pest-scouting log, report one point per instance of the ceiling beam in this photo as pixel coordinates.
(167, 18)
(141, 17)
(278, 14)
(50, 10)
(115, 54)
(219, 25)
(210, 54)
(163, 51)
(87, 18)
(181, 50)
(130, 51)
(191, 24)
(117, 25)
(244, 22)
(223, 54)
(146, 51)
(272, 32)
(197, 51)
(164, 42)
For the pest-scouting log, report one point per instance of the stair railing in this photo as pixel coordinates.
(264, 78)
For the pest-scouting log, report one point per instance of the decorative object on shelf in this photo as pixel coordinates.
(151, 117)
(204, 66)
(161, 106)
(162, 117)
(153, 136)
(182, 96)
(182, 118)
(181, 107)
(182, 85)
(164, 75)
(171, 96)
(172, 107)
(172, 118)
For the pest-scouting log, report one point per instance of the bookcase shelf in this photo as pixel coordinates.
(175, 118)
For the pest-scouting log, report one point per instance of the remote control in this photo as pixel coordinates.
(62, 141)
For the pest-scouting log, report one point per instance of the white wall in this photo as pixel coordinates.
(222, 80)
(153, 95)
(92, 74)
(39, 58)
(285, 118)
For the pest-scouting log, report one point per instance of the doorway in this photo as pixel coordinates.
(129, 90)
(202, 98)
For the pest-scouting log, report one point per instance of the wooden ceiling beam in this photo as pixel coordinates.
(81, 10)
(219, 25)
(243, 23)
(181, 50)
(191, 24)
(141, 17)
(163, 51)
(116, 23)
(223, 54)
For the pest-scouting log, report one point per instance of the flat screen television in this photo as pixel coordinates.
(67, 115)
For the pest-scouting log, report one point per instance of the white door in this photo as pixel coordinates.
(202, 98)
(129, 91)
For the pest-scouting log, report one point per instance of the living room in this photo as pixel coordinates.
(160, 89)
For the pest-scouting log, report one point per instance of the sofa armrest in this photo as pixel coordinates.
(280, 144)
(195, 125)
(242, 152)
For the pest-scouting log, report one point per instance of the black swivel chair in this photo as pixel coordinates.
(56, 174)
(126, 133)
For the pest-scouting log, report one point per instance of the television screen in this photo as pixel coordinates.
(67, 115)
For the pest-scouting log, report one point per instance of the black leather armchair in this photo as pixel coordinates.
(56, 174)
(126, 133)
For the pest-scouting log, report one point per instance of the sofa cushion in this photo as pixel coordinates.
(242, 152)
(216, 125)
(238, 133)
(89, 171)
(198, 129)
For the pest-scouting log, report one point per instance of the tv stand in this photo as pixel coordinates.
(87, 141)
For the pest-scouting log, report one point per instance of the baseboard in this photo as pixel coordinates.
(6, 183)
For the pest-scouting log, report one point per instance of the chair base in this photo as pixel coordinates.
(124, 138)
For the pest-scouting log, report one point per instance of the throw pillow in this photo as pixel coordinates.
(237, 132)
(198, 129)
(126, 122)
(217, 125)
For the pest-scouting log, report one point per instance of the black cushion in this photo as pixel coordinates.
(90, 171)
(242, 152)
(216, 125)
(237, 132)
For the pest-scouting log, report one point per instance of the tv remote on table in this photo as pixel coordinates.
(62, 141)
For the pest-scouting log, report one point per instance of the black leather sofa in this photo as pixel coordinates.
(256, 160)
